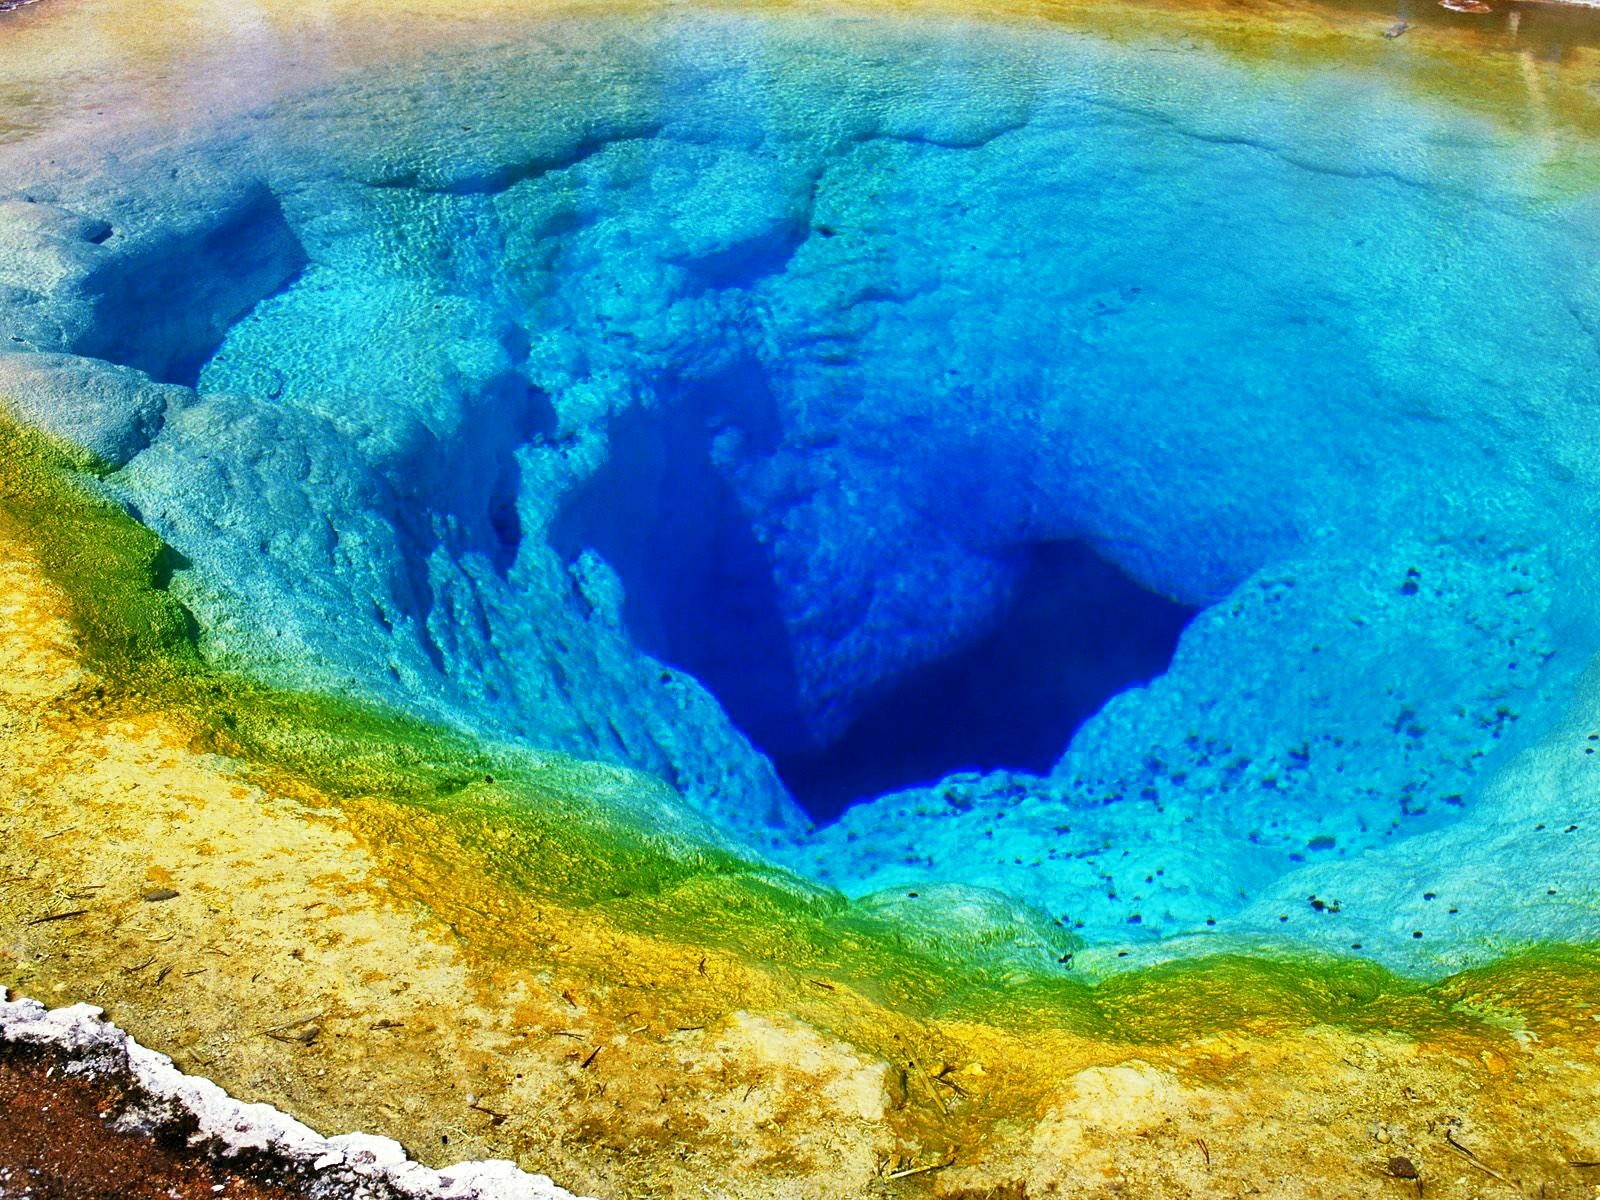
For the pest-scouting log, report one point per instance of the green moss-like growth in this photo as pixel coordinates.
(109, 566)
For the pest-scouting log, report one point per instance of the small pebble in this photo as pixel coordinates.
(159, 894)
(1402, 1167)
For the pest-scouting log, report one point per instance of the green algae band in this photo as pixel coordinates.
(961, 513)
(114, 568)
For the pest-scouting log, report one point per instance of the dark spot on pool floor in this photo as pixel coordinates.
(1077, 632)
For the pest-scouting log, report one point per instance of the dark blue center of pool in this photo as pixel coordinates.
(1076, 632)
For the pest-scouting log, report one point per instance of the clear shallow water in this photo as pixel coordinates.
(673, 398)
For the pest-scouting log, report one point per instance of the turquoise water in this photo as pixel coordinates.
(1153, 489)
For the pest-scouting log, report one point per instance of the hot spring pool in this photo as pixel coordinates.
(1129, 500)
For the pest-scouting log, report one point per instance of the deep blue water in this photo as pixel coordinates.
(1132, 482)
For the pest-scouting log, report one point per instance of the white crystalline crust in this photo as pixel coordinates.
(354, 1165)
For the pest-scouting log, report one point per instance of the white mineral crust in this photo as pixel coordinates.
(95, 1044)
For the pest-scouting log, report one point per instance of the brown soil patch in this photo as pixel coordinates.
(59, 1141)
